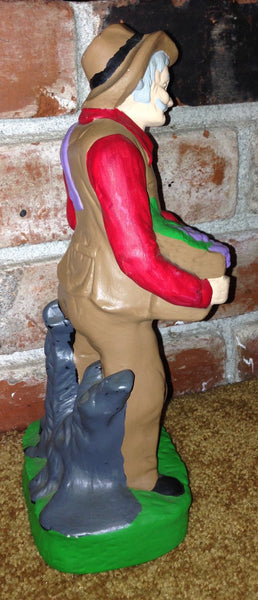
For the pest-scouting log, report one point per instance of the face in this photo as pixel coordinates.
(151, 114)
(160, 101)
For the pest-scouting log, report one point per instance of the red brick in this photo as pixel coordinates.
(38, 65)
(199, 173)
(24, 292)
(32, 185)
(21, 403)
(246, 340)
(196, 361)
(246, 272)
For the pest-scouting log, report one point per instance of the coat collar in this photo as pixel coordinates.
(90, 114)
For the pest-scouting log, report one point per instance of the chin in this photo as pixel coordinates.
(160, 120)
(156, 119)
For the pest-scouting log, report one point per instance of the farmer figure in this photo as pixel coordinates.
(128, 263)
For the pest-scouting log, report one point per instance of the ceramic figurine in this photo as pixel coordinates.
(128, 263)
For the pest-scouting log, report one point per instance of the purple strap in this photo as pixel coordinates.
(72, 191)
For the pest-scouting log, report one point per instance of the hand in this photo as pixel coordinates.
(220, 289)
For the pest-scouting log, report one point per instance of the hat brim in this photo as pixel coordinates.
(118, 87)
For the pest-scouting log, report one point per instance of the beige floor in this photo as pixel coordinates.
(216, 435)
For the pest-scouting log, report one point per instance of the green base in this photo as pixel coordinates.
(160, 526)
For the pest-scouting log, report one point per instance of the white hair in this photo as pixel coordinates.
(141, 93)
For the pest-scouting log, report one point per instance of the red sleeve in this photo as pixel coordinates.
(117, 173)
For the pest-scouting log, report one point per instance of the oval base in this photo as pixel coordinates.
(160, 526)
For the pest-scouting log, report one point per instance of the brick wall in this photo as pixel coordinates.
(208, 161)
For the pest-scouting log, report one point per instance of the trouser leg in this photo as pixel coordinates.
(134, 346)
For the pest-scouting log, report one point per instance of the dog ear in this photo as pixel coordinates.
(92, 376)
(120, 383)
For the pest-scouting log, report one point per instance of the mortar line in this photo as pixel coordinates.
(47, 128)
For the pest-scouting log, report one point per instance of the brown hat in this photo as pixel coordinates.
(116, 60)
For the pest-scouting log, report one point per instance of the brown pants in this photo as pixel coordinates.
(122, 344)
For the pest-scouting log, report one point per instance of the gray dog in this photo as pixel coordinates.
(81, 438)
